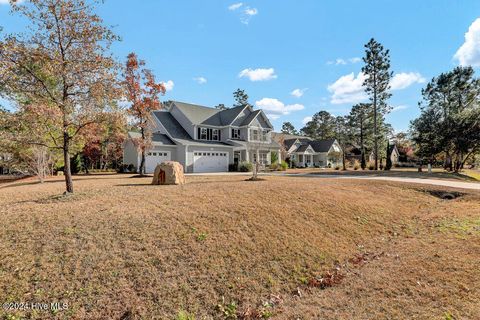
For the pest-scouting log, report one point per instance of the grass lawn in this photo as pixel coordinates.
(220, 246)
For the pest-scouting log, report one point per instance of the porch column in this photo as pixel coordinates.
(258, 156)
(279, 158)
(247, 155)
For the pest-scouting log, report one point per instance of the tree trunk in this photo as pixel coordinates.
(448, 162)
(343, 160)
(141, 170)
(363, 163)
(66, 158)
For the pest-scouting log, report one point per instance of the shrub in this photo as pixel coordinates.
(232, 167)
(245, 166)
(284, 166)
(273, 157)
(371, 165)
(275, 166)
(183, 315)
(356, 165)
(337, 167)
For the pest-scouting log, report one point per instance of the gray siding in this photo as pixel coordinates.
(130, 153)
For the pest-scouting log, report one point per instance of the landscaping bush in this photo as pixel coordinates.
(273, 157)
(284, 166)
(337, 167)
(245, 166)
(274, 166)
(371, 165)
(356, 165)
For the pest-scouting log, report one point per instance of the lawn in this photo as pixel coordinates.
(220, 247)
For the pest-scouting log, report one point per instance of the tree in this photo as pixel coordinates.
(359, 121)
(61, 64)
(343, 136)
(221, 106)
(142, 92)
(322, 126)
(388, 163)
(288, 128)
(449, 122)
(241, 98)
(377, 86)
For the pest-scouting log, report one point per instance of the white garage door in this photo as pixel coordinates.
(208, 161)
(155, 157)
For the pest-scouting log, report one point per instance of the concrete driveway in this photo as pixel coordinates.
(435, 182)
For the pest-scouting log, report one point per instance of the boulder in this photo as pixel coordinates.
(168, 172)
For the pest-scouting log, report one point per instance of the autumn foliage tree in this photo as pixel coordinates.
(62, 64)
(142, 92)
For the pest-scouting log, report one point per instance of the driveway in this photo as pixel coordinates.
(436, 182)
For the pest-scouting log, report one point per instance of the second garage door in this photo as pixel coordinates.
(208, 161)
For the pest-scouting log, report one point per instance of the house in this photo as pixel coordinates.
(205, 139)
(394, 154)
(307, 152)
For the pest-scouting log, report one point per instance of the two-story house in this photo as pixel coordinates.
(205, 139)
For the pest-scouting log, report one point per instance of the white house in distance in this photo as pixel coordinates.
(307, 152)
(205, 139)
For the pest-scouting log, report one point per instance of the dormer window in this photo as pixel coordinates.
(208, 134)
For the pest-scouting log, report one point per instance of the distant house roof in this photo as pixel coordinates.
(322, 145)
(302, 148)
(156, 137)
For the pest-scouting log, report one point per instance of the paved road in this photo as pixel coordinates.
(436, 182)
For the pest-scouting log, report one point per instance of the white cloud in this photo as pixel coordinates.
(247, 14)
(272, 116)
(235, 6)
(200, 80)
(251, 11)
(341, 61)
(469, 52)
(259, 74)
(306, 120)
(405, 79)
(298, 92)
(275, 108)
(348, 89)
(398, 108)
(168, 85)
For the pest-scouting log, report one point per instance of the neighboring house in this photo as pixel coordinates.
(205, 139)
(394, 154)
(306, 152)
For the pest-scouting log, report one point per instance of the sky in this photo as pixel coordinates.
(293, 58)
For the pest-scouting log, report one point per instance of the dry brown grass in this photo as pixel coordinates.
(120, 247)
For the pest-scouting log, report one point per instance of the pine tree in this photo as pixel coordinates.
(377, 86)
(241, 98)
(288, 128)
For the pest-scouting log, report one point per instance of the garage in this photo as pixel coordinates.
(208, 161)
(155, 157)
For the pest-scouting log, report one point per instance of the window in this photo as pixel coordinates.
(263, 158)
(203, 134)
(208, 134)
(264, 135)
(255, 135)
(235, 133)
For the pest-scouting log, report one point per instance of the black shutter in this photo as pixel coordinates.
(219, 138)
(198, 133)
(233, 131)
(209, 134)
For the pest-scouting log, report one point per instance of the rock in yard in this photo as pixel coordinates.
(168, 172)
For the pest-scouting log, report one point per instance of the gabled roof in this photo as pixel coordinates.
(250, 117)
(196, 113)
(303, 148)
(171, 124)
(322, 145)
(208, 116)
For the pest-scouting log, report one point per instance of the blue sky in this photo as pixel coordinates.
(204, 50)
